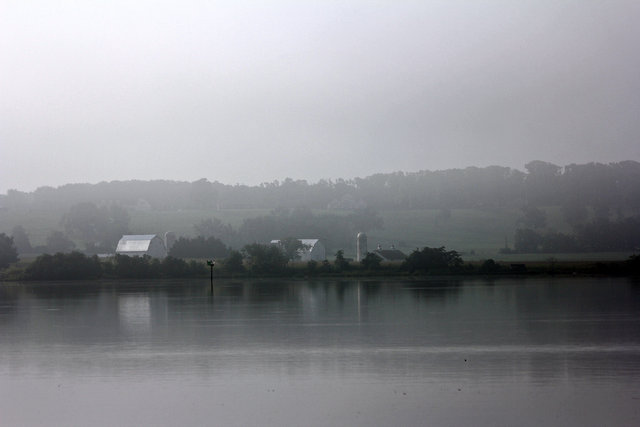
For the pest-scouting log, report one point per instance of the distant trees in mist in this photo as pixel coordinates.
(600, 186)
(590, 197)
(599, 235)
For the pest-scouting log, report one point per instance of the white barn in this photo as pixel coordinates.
(313, 250)
(142, 244)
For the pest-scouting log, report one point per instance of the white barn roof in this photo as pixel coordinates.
(135, 243)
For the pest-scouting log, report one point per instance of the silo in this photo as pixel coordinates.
(361, 246)
(169, 240)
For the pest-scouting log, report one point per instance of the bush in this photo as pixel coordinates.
(265, 258)
(371, 261)
(490, 267)
(71, 266)
(145, 267)
(432, 259)
(233, 262)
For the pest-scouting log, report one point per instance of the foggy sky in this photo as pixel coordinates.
(249, 92)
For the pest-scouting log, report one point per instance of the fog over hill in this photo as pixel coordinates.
(242, 92)
(610, 186)
(574, 208)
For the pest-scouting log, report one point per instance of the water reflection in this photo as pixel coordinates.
(449, 334)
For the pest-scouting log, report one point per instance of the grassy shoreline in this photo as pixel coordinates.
(471, 269)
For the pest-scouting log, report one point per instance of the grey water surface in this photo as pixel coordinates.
(321, 353)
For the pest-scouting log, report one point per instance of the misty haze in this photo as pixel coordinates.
(319, 213)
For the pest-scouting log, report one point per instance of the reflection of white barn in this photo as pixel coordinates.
(313, 249)
(142, 244)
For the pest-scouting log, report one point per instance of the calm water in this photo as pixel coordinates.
(473, 352)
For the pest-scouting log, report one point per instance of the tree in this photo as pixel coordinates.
(371, 261)
(8, 251)
(74, 265)
(432, 259)
(293, 247)
(58, 242)
(340, 262)
(233, 262)
(265, 258)
(312, 266)
(21, 240)
(490, 267)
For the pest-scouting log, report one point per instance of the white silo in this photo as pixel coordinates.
(169, 240)
(361, 246)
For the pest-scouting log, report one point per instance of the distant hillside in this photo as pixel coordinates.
(471, 209)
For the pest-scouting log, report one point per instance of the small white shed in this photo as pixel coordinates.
(142, 244)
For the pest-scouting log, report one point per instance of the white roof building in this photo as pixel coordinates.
(142, 244)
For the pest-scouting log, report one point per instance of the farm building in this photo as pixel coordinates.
(390, 255)
(142, 244)
(313, 250)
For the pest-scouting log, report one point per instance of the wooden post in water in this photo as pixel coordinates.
(211, 263)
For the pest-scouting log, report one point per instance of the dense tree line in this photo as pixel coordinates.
(601, 186)
(599, 235)
(271, 260)
(78, 266)
(71, 266)
(432, 260)
(126, 267)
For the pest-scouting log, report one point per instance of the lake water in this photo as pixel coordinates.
(524, 352)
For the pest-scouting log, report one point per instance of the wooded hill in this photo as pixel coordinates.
(472, 209)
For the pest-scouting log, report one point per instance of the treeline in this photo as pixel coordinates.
(78, 266)
(600, 235)
(600, 186)
(254, 259)
(269, 260)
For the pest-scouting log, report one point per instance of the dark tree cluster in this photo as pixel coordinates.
(233, 263)
(71, 266)
(371, 261)
(78, 266)
(600, 235)
(265, 259)
(432, 260)
(126, 267)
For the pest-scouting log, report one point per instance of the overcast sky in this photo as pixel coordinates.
(249, 92)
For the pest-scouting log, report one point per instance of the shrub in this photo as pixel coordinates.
(71, 266)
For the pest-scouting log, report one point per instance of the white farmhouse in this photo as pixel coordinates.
(142, 244)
